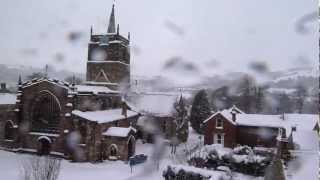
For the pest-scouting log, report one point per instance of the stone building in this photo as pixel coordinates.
(109, 57)
(162, 120)
(88, 122)
(7, 115)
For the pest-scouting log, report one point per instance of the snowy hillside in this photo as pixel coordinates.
(292, 74)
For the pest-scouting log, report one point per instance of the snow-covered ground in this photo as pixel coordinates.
(118, 170)
(304, 166)
(10, 164)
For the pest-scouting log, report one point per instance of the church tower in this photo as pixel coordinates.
(109, 57)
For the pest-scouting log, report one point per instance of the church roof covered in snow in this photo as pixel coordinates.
(118, 131)
(104, 116)
(44, 79)
(94, 89)
(7, 98)
(82, 89)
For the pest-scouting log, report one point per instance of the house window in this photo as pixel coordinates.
(219, 139)
(219, 124)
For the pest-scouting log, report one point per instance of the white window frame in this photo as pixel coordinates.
(221, 122)
(221, 138)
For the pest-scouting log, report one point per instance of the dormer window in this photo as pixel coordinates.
(219, 124)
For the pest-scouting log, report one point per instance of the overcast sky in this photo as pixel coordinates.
(225, 35)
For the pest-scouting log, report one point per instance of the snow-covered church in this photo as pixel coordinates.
(89, 122)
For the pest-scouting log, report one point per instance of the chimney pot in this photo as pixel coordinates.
(233, 116)
(3, 86)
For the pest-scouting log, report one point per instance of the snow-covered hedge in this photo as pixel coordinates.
(240, 159)
(180, 172)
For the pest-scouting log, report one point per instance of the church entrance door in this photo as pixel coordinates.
(44, 146)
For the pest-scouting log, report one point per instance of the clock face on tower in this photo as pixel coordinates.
(98, 55)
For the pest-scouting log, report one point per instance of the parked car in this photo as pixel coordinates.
(137, 159)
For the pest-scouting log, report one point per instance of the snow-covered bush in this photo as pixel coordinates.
(180, 172)
(242, 150)
(240, 159)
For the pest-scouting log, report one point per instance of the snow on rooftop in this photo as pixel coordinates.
(287, 121)
(118, 131)
(302, 121)
(155, 103)
(259, 120)
(306, 140)
(7, 98)
(104, 116)
(55, 81)
(94, 89)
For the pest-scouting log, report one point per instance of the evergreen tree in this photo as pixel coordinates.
(200, 110)
(180, 115)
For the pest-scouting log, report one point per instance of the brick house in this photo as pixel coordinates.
(78, 122)
(231, 127)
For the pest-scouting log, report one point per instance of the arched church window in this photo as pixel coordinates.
(45, 113)
(8, 131)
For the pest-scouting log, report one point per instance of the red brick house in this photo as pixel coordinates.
(231, 127)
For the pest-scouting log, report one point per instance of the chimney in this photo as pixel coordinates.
(124, 108)
(3, 86)
(234, 113)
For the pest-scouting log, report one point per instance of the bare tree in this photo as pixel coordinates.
(40, 168)
(301, 94)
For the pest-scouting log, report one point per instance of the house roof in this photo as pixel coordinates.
(226, 113)
(104, 116)
(157, 103)
(302, 121)
(119, 131)
(306, 140)
(287, 121)
(7, 98)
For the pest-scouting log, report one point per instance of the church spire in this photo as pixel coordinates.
(112, 22)
(19, 81)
